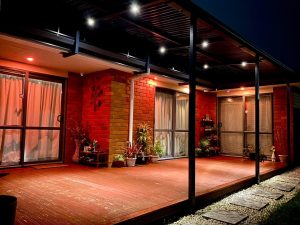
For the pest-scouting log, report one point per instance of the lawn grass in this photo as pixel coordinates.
(285, 214)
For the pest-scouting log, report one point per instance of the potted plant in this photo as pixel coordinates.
(204, 146)
(118, 160)
(157, 151)
(144, 139)
(130, 153)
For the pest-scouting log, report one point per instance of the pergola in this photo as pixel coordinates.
(134, 39)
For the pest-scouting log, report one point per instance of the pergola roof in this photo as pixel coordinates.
(160, 23)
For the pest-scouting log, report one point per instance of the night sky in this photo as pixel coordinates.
(271, 25)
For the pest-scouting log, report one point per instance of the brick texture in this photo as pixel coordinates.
(205, 104)
(74, 111)
(280, 120)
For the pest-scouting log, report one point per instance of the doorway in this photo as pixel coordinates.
(31, 112)
(171, 122)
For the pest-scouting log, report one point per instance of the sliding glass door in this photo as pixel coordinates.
(30, 118)
(171, 122)
(237, 116)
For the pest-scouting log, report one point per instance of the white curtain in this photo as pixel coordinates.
(231, 117)
(163, 120)
(10, 114)
(44, 105)
(182, 119)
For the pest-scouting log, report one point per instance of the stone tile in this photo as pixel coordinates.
(289, 181)
(282, 186)
(249, 203)
(267, 194)
(295, 178)
(230, 217)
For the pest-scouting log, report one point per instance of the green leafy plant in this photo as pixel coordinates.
(204, 142)
(119, 157)
(158, 149)
(144, 137)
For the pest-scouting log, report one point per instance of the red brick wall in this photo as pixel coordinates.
(74, 111)
(280, 120)
(206, 103)
(144, 98)
(96, 106)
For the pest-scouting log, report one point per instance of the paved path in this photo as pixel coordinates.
(248, 206)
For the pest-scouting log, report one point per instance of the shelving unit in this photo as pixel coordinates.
(211, 134)
(93, 158)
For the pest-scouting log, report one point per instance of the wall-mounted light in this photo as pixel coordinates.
(90, 22)
(186, 90)
(152, 83)
(135, 8)
(242, 88)
(229, 100)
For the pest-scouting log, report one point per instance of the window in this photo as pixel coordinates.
(171, 122)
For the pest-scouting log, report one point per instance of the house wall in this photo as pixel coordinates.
(280, 120)
(206, 103)
(73, 111)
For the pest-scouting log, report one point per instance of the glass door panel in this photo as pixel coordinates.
(10, 153)
(43, 121)
(11, 112)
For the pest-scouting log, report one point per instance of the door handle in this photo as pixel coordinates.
(59, 118)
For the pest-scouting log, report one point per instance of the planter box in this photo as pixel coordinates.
(283, 158)
(118, 163)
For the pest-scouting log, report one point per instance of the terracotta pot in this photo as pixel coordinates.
(283, 158)
(154, 158)
(130, 162)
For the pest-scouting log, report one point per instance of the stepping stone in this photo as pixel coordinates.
(293, 178)
(267, 194)
(289, 181)
(230, 217)
(282, 186)
(249, 203)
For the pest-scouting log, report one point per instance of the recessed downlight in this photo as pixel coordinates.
(135, 8)
(30, 59)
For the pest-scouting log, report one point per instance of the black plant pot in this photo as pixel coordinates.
(8, 206)
(142, 160)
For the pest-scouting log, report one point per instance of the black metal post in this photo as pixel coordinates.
(257, 144)
(288, 120)
(192, 108)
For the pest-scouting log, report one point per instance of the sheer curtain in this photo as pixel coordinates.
(163, 121)
(10, 114)
(43, 107)
(231, 116)
(265, 122)
(181, 138)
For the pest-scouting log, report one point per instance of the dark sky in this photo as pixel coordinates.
(270, 25)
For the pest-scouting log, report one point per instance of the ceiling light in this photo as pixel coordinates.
(30, 59)
(90, 22)
(242, 88)
(135, 8)
(162, 50)
(186, 90)
(205, 66)
(244, 64)
(204, 44)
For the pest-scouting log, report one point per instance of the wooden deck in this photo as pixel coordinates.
(80, 195)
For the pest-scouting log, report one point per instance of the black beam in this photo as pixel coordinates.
(288, 120)
(192, 111)
(257, 142)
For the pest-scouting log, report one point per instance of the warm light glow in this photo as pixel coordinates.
(162, 50)
(135, 9)
(242, 88)
(155, 78)
(152, 83)
(205, 66)
(30, 59)
(244, 64)
(204, 44)
(186, 90)
(90, 22)
(228, 91)
(229, 100)
(205, 90)
(81, 74)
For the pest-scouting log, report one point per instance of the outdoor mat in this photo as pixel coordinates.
(48, 166)
(230, 217)
(267, 194)
(3, 174)
(282, 186)
(249, 203)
